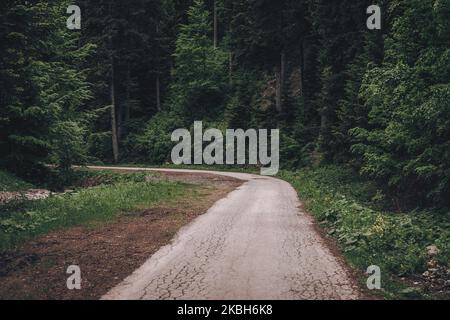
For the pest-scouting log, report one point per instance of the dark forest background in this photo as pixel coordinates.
(373, 100)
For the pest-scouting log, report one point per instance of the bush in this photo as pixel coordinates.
(406, 144)
(9, 182)
(155, 144)
(345, 206)
(68, 145)
(100, 145)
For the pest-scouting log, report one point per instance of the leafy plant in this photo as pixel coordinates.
(369, 236)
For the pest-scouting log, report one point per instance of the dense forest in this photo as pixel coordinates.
(373, 100)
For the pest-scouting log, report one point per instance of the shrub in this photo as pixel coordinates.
(394, 241)
(155, 143)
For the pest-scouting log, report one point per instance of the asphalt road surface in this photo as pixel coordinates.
(256, 243)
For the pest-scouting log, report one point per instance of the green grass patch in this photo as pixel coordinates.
(9, 182)
(224, 168)
(20, 221)
(83, 175)
(350, 209)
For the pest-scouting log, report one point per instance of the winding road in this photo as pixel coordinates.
(256, 243)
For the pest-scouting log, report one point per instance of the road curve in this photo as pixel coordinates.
(254, 244)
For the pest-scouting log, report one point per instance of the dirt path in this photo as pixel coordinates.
(254, 244)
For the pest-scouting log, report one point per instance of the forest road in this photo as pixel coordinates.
(256, 243)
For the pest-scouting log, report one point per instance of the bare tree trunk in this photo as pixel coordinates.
(157, 82)
(230, 68)
(128, 97)
(230, 60)
(119, 119)
(278, 90)
(158, 93)
(280, 74)
(283, 69)
(323, 121)
(302, 66)
(115, 141)
(215, 24)
(323, 125)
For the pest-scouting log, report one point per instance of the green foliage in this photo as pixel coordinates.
(155, 144)
(99, 145)
(21, 221)
(406, 146)
(106, 177)
(68, 144)
(42, 84)
(340, 29)
(347, 208)
(9, 182)
(135, 40)
(377, 100)
(59, 180)
(199, 81)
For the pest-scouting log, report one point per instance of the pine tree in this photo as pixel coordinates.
(200, 69)
(405, 148)
(42, 86)
(339, 27)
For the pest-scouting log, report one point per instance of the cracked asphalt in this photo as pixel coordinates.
(254, 244)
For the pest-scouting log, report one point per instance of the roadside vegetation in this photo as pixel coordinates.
(113, 194)
(9, 183)
(109, 225)
(369, 232)
(231, 168)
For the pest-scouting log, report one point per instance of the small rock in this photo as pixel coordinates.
(432, 264)
(432, 250)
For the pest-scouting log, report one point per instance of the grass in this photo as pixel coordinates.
(9, 182)
(20, 221)
(225, 168)
(351, 210)
(82, 175)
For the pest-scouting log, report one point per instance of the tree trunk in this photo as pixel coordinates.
(230, 68)
(323, 126)
(115, 141)
(280, 74)
(158, 93)
(302, 66)
(215, 24)
(230, 60)
(128, 100)
(283, 70)
(323, 121)
(157, 82)
(278, 90)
